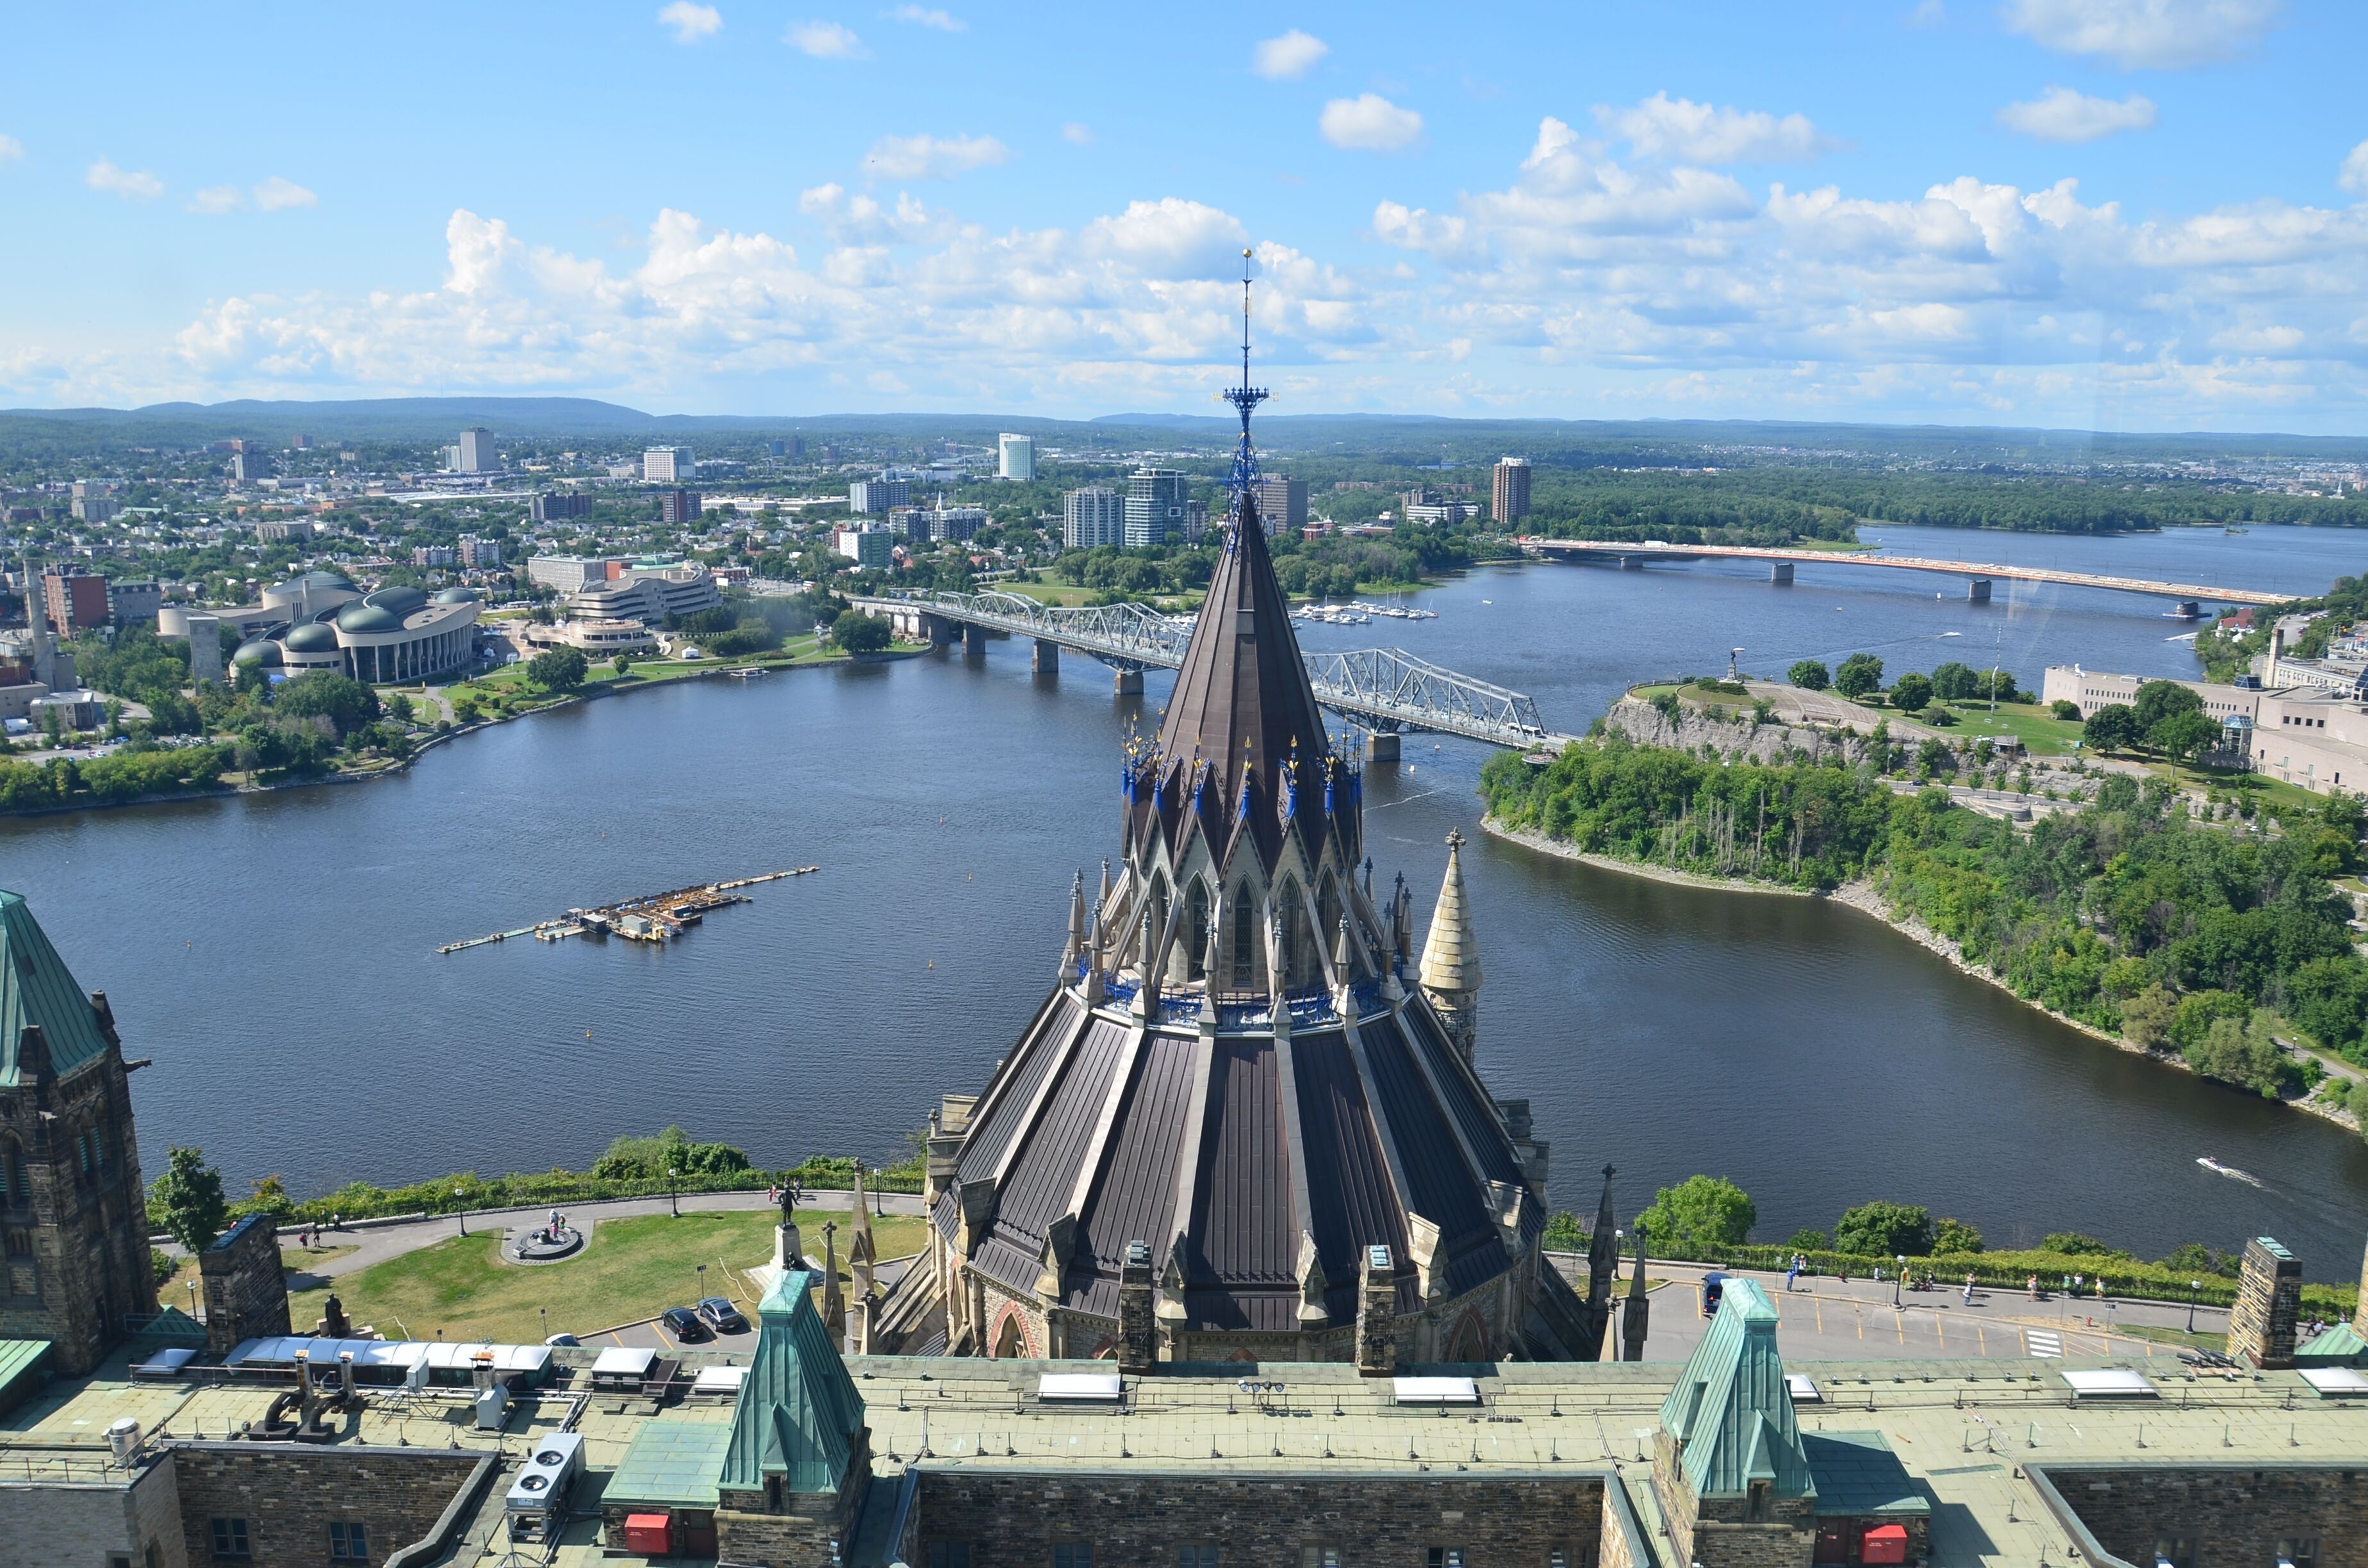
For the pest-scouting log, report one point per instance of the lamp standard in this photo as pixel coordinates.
(673, 1204)
(461, 1196)
(702, 1282)
(879, 1193)
(546, 1323)
(1901, 1261)
(2192, 1286)
(193, 1297)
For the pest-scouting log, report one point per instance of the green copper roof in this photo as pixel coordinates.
(671, 1462)
(798, 1411)
(1858, 1475)
(2337, 1346)
(1731, 1413)
(36, 988)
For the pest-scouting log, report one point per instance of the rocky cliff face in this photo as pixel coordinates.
(1692, 730)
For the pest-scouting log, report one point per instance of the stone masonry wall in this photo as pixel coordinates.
(2236, 1513)
(74, 1225)
(1383, 1522)
(83, 1525)
(288, 1494)
(246, 1286)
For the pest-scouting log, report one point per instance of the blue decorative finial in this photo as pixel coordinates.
(1244, 398)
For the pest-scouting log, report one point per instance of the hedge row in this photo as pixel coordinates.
(2124, 1277)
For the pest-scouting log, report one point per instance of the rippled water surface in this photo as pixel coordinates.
(274, 955)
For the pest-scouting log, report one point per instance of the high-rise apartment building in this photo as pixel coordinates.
(871, 495)
(667, 465)
(1155, 505)
(1508, 490)
(955, 523)
(475, 452)
(76, 601)
(247, 467)
(556, 507)
(1014, 457)
(1093, 517)
(480, 552)
(1281, 503)
(678, 506)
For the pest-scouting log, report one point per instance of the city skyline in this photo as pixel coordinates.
(2109, 214)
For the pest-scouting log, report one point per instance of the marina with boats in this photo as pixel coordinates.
(657, 918)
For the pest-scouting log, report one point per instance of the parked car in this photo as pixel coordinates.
(683, 1323)
(722, 1316)
(558, 1340)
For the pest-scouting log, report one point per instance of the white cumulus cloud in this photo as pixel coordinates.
(1289, 57)
(279, 193)
(825, 40)
(2161, 35)
(932, 157)
(1680, 131)
(926, 16)
(218, 198)
(1368, 123)
(2060, 114)
(2353, 175)
(690, 22)
(1077, 133)
(132, 185)
(11, 150)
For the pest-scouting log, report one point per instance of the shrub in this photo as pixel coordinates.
(1950, 1236)
(1809, 1241)
(2063, 708)
(1882, 1230)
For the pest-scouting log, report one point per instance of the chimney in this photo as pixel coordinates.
(2277, 652)
(1138, 1330)
(1377, 1306)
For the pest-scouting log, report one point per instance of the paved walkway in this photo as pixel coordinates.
(1825, 1319)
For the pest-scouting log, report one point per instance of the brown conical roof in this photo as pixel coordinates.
(1450, 957)
(1242, 700)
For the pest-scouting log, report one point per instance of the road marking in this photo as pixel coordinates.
(2041, 1343)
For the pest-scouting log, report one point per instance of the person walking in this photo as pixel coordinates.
(1793, 1274)
(2031, 1287)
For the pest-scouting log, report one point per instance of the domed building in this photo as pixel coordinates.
(393, 634)
(1239, 1128)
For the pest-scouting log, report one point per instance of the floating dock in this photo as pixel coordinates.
(656, 918)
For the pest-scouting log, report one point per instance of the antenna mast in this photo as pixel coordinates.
(1244, 398)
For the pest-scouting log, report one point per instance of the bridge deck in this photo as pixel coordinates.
(1909, 563)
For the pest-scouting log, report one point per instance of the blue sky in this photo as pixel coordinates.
(2111, 213)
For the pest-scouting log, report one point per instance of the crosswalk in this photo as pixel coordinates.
(2044, 1343)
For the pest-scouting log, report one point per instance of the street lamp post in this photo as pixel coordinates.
(879, 1193)
(702, 1283)
(1901, 1262)
(461, 1196)
(2192, 1286)
(673, 1203)
(546, 1323)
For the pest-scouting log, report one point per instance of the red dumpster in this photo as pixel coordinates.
(1885, 1543)
(652, 1535)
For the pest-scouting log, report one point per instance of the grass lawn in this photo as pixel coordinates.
(632, 1268)
(2042, 733)
(2177, 1337)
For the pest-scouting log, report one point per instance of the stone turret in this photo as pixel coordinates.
(1450, 958)
(1637, 1319)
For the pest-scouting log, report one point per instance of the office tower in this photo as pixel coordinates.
(1281, 503)
(1092, 516)
(476, 452)
(1014, 457)
(1155, 505)
(1508, 490)
(667, 465)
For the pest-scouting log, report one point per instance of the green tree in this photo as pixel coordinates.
(1807, 1239)
(1700, 1212)
(2113, 727)
(2159, 699)
(2064, 707)
(1954, 682)
(2074, 1244)
(557, 669)
(1910, 692)
(1884, 1230)
(1859, 674)
(344, 701)
(2184, 736)
(187, 1200)
(2146, 1018)
(861, 633)
(1954, 1236)
(1809, 675)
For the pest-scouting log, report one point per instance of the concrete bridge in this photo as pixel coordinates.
(1384, 691)
(2188, 598)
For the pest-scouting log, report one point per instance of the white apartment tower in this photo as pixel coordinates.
(475, 453)
(1093, 517)
(668, 465)
(1014, 457)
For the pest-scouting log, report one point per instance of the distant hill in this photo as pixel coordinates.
(1421, 437)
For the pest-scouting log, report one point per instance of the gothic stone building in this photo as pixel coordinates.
(72, 1220)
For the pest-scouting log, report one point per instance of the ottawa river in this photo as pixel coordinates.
(274, 955)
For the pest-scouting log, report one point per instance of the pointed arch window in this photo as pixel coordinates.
(1291, 909)
(1245, 938)
(1198, 947)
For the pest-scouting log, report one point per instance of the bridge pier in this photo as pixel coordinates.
(1631, 563)
(2187, 610)
(1128, 683)
(1380, 747)
(1978, 591)
(974, 640)
(1780, 572)
(1047, 659)
(936, 631)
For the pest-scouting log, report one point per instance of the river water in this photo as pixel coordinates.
(275, 954)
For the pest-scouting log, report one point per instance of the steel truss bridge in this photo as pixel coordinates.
(1385, 691)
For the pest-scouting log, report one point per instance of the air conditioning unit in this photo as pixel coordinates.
(553, 1462)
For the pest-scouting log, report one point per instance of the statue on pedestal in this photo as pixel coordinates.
(789, 1248)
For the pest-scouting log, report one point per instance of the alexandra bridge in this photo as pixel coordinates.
(2188, 598)
(1384, 691)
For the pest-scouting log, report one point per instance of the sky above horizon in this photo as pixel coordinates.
(2108, 214)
